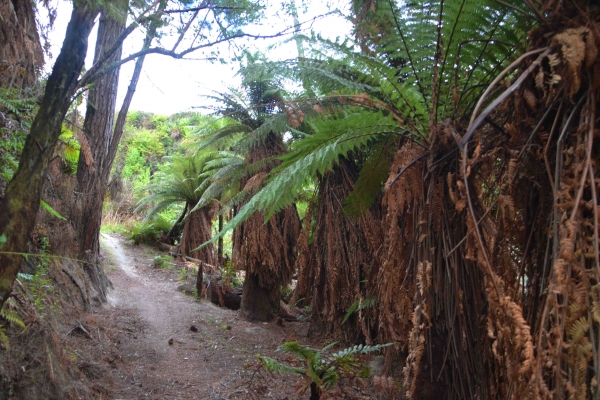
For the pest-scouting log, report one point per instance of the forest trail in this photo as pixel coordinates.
(152, 342)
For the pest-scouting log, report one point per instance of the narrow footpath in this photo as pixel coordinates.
(153, 342)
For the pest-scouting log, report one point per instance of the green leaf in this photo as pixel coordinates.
(51, 210)
(350, 311)
(27, 277)
(358, 305)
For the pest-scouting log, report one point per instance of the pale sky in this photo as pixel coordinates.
(167, 86)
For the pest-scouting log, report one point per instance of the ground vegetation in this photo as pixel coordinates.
(444, 162)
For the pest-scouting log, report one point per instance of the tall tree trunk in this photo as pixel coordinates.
(104, 141)
(19, 207)
(98, 130)
(21, 53)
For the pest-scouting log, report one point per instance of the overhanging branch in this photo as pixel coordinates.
(184, 10)
(99, 69)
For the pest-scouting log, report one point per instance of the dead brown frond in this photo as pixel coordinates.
(85, 149)
(266, 250)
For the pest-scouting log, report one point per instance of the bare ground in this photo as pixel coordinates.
(153, 342)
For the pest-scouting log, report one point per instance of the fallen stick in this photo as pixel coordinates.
(82, 329)
(194, 260)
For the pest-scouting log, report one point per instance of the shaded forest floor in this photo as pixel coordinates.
(153, 342)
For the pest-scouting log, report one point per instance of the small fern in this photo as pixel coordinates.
(10, 100)
(12, 317)
(321, 370)
(4, 339)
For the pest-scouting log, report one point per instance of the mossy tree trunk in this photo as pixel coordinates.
(19, 207)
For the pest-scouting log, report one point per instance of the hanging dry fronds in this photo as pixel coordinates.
(266, 251)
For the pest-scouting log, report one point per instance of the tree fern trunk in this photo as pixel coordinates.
(315, 391)
(197, 230)
(266, 251)
(336, 267)
(176, 228)
(220, 243)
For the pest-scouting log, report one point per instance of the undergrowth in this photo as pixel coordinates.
(321, 372)
(39, 282)
(11, 317)
(149, 232)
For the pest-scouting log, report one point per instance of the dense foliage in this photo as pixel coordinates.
(444, 160)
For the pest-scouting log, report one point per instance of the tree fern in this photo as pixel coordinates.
(313, 156)
(437, 40)
(182, 179)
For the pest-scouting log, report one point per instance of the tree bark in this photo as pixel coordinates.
(21, 53)
(259, 303)
(197, 230)
(220, 242)
(104, 142)
(266, 251)
(92, 178)
(19, 207)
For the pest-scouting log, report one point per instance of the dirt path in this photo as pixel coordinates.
(153, 342)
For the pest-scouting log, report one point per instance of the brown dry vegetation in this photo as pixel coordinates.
(488, 274)
(197, 230)
(482, 252)
(266, 251)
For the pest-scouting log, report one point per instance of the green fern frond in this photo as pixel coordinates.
(11, 100)
(12, 317)
(372, 176)
(300, 351)
(358, 349)
(4, 339)
(358, 305)
(314, 156)
(272, 365)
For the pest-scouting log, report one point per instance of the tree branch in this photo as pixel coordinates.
(87, 77)
(95, 73)
(187, 27)
(98, 69)
(203, 8)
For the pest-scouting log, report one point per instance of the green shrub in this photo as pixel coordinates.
(163, 262)
(149, 232)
